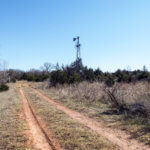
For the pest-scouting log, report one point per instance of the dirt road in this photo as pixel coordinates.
(38, 137)
(117, 137)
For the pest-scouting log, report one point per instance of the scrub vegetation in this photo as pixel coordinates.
(124, 105)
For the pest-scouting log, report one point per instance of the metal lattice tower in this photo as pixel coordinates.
(78, 45)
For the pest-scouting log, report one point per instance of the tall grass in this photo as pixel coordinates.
(123, 106)
(131, 98)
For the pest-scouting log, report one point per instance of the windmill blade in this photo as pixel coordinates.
(74, 39)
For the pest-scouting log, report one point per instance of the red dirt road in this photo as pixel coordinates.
(117, 137)
(38, 137)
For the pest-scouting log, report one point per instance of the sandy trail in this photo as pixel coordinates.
(117, 137)
(38, 136)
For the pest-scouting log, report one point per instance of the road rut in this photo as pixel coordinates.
(38, 136)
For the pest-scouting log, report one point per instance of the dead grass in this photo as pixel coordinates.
(97, 104)
(11, 126)
(71, 134)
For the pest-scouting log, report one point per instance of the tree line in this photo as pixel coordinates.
(76, 72)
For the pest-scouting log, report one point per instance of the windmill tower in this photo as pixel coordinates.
(78, 45)
(78, 63)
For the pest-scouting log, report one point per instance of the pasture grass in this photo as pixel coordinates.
(12, 127)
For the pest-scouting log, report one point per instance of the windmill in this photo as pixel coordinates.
(78, 62)
(78, 45)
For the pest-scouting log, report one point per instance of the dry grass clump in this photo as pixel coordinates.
(131, 98)
(11, 127)
(82, 91)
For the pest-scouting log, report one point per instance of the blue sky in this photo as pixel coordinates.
(114, 33)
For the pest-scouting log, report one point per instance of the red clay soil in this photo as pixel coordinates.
(38, 137)
(115, 136)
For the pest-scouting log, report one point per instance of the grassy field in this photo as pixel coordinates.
(12, 126)
(70, 134)
(100, 109)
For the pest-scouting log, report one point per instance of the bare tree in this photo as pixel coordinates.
(47, 67)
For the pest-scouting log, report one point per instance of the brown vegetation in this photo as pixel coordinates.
(124, 106)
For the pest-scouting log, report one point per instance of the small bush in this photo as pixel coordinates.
(117, 97)
(58, 77)
(3, 87)
(110, 81)
(131, 99)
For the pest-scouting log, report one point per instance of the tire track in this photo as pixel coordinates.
(38, 135)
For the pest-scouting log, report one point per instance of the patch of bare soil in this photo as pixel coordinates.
(117, 137)
(38, 137)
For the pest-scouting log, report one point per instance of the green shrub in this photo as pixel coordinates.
(58, 77)
(3, 87)
(75, 78)
(110, 81)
